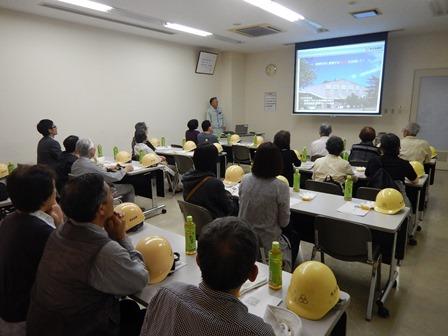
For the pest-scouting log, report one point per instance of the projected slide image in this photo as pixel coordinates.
(341, 79)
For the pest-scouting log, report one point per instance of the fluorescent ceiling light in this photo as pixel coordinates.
(276, 9)
(89, 4)
(187, 29)
(365, 14)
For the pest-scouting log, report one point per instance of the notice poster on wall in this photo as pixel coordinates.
(270, 101)
(206, 63)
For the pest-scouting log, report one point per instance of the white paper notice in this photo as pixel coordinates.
(352, 209)
(270, 101)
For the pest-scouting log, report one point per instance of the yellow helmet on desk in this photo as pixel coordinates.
(418, 168)
(234, 174)
(158, 256)
(3, 170)
(259, 140)
(283, 179)
(151, 159)
(155, 142)
(313, 290)
(131, 214)
(123, 157)
(297, 153)
(218, 147)
(389, 201)
(433, 152)
(234, 139)
(189, 146)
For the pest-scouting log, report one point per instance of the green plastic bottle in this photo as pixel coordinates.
(304, 155)
(100, 151)
(162, 141)
(345, 155)
(115, 150)
(190, 236)
(183, 142)
(228, 139)
(255, 140)
(345, 143)
(11, 167)
(296, 180)
(141, 154)
(348, 189)
(275, 266)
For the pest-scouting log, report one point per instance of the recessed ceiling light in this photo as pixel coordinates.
(89, 4)
(276, 9)
(366, 14)
(187, 29)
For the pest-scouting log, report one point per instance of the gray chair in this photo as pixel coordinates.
(367, 193)
(358, 163)
(349, 242)
(201, 216)
(325, 187)
(183, 163)
(241, 155)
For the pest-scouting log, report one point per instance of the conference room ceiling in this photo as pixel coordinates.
(146, 18)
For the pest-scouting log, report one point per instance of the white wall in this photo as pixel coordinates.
(405, 55)
(93, 83)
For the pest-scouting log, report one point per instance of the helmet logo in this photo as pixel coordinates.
(303, 299)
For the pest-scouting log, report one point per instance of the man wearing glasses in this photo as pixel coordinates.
(48, 149)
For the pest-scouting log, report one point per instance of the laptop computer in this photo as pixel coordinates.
(241, 129)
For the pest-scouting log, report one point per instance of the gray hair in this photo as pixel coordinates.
(413, 128)
(83, 147)
(325, 130)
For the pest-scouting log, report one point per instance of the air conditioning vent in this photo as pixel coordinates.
(256, 30)
(438, 7)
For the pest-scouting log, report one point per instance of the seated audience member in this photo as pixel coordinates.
(23, 235)
(282, 140)
(413, 149)
(366, 150)
(227, 251)
(141, 140)
(87, 264)
(264, 200)
(68, 157)
(192, 133)
(140, 126)
(332, 167)
(48, 149)
(201, 187)
(85, 149)
(207, 134)
(318, 147)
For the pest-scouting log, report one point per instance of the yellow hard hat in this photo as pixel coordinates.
(151, 159)
(283, 179)
(234, 174)
(158, 256)
(433, 152)
(234, 138)
(218, 147)
(132, 215)
(189, 146)
(123, 157)
(313, 290)
(297, 153)
(389, 201)
(155, 142)
(3, 170)
(260, 140)
(418, 168)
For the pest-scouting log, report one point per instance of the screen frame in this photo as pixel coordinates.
(346, 40)
(199, 57)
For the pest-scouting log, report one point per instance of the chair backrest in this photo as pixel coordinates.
(367, 193)
(358, 163)
(315, 157)
(325, 187)
(343, 240)
(201, 216)
(241, 154)
(183, 163)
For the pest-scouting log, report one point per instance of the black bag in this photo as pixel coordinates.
(3, 192)
(382, 179)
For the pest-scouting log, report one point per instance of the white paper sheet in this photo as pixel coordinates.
(233, 189)
(294, 201)
(257, 301)
(352, 209)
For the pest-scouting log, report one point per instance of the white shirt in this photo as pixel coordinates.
(142, 147)
(334, 166)
(318, 147)
(45, 217)
(413, 149)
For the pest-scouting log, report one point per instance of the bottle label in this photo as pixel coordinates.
(296, 182)
(100, 151)
(162, 141)
(348, 190)
(115, 150)
(275, 271)
(190, 238)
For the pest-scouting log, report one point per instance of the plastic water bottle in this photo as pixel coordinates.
(190, 236)
(162, 141)
(304, 157)
(348, 189)
(115, 150)
(100, 151)
(11, 167)
(345, 155)
(296, 180)
(275, 266)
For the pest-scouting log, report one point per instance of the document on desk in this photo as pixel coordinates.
(294, 201)
(233, 190)
(257, 301)
(352, 209)
(307, 165)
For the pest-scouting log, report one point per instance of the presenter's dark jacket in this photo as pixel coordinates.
(48, 152)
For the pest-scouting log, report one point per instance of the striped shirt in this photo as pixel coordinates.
(180, 309)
